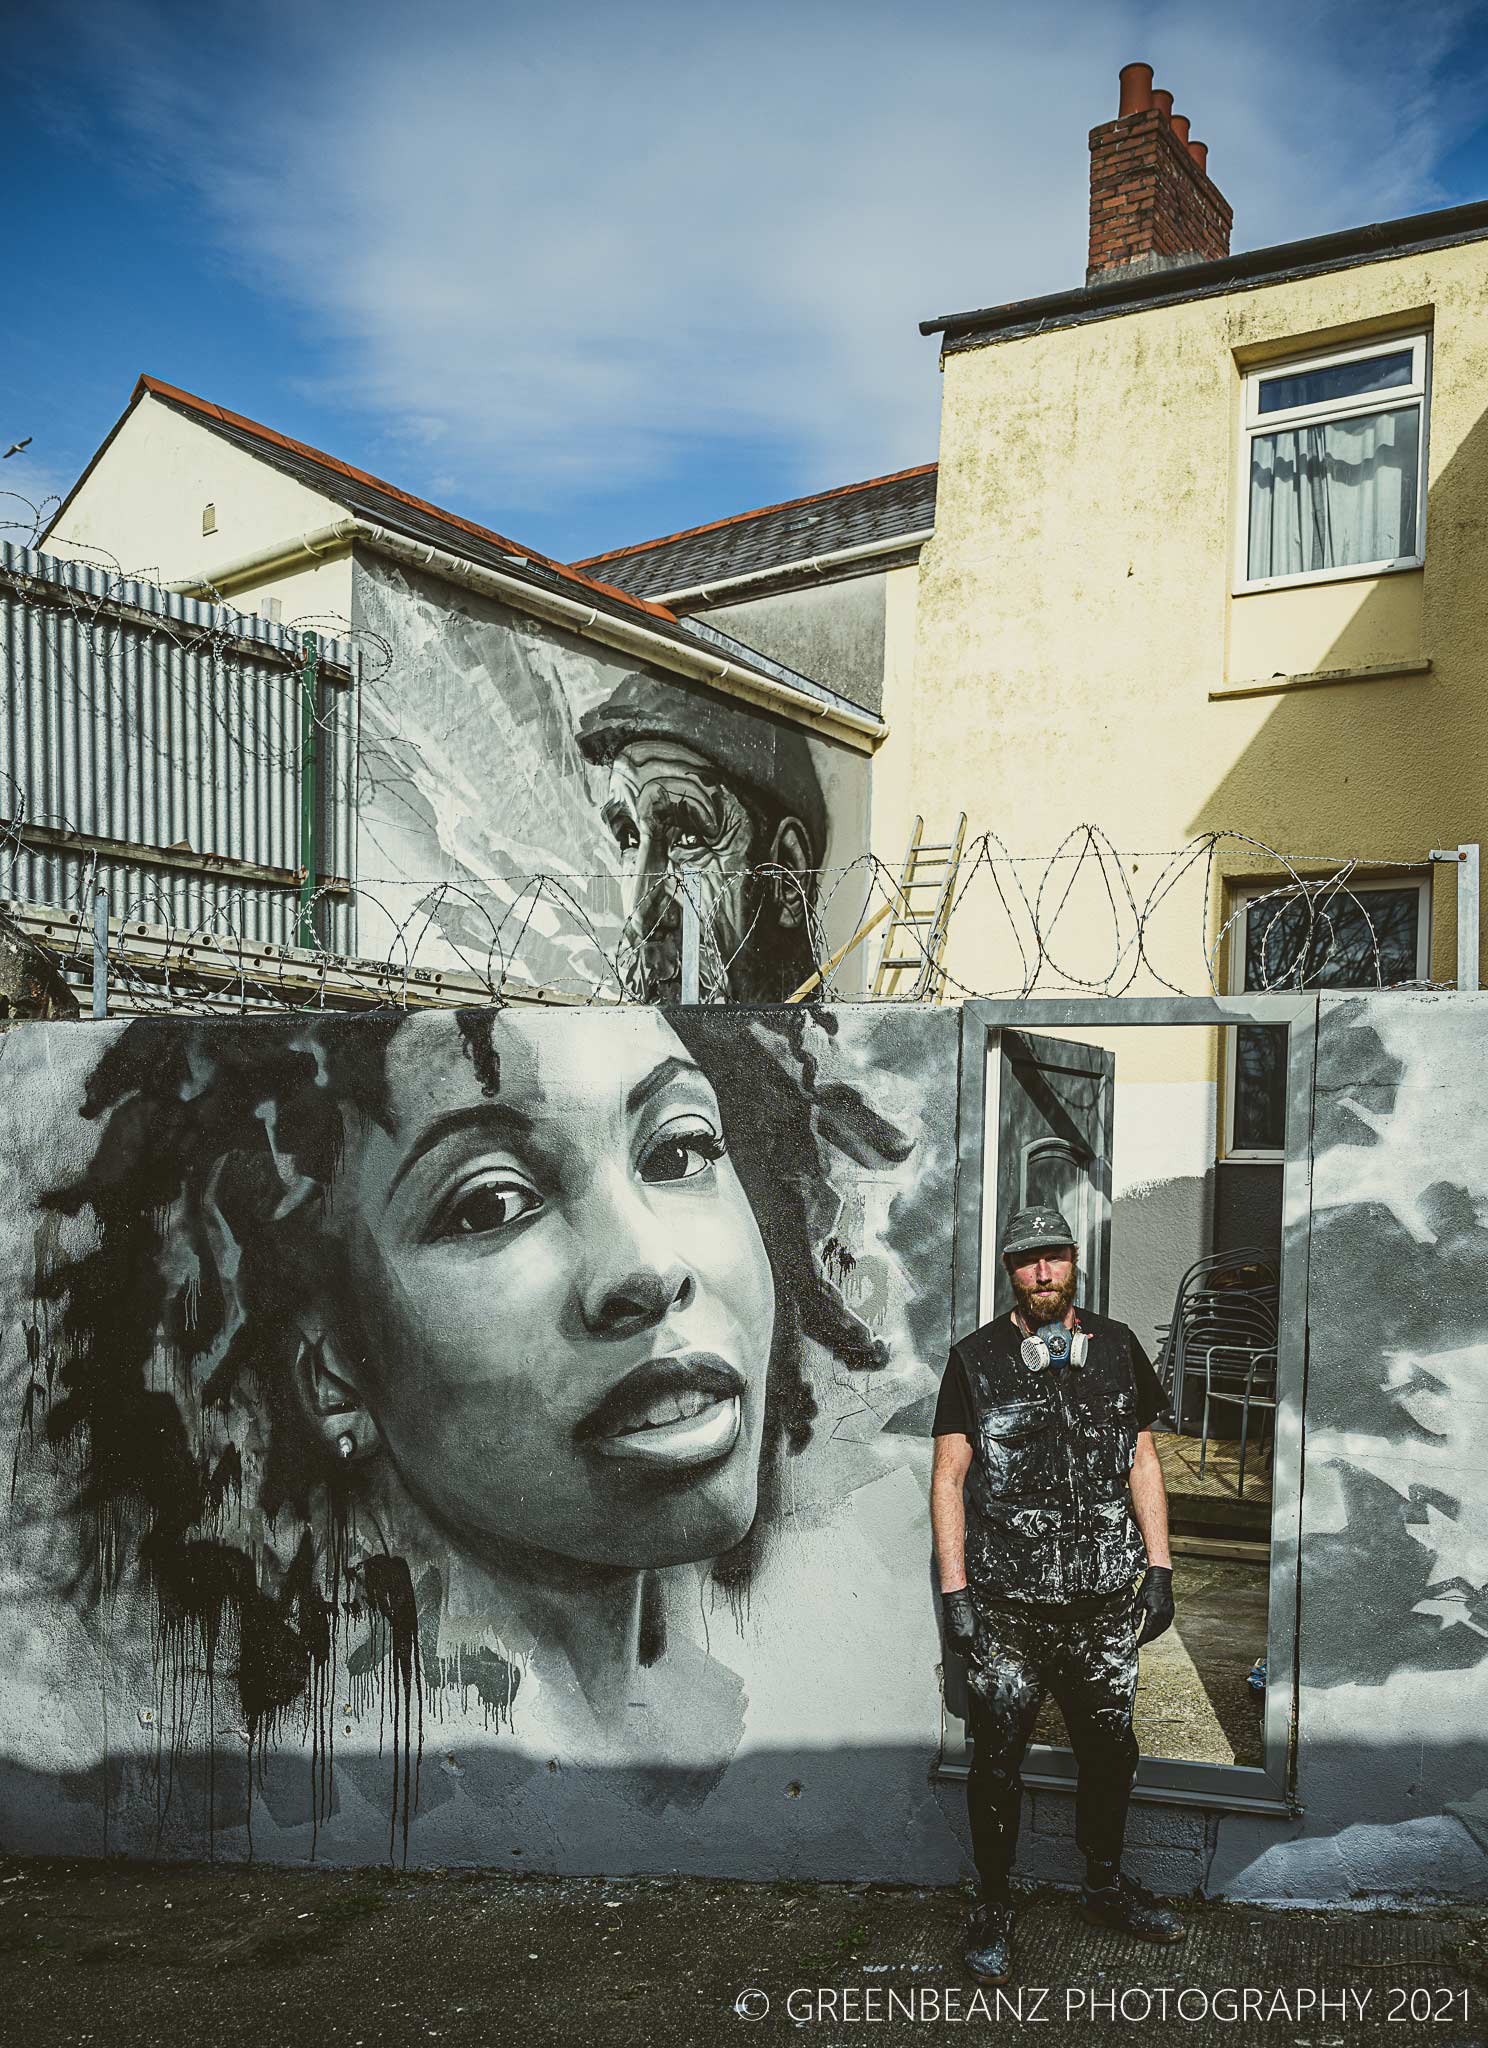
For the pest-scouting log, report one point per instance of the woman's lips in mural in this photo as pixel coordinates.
(680, 1410)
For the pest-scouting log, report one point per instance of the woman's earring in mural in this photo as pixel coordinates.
(331, 1403)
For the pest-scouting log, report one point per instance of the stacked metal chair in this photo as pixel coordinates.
(1223, 1332)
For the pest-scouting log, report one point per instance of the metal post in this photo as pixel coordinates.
(692, 935)
(100, 952)
(1465, 859)
(1468, 901)
(306, 934)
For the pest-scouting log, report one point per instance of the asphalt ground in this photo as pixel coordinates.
(118, 1954)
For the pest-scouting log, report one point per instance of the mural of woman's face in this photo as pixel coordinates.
(567, 1306)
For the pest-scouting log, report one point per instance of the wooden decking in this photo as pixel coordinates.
(1213, 1500)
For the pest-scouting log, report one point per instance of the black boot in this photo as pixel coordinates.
(988, 1951)
(1109, 1898)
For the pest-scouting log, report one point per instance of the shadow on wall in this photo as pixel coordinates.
(1396, 1572)
(785, 1811)
(628, 1749)
(1388, 767)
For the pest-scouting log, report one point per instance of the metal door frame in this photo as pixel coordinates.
(1240, 1787)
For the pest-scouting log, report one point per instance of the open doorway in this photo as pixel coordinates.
(1112, 1112)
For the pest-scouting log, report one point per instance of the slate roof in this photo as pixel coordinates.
(384, 504)
(881, 509)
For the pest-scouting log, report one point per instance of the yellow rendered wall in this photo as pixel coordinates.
(895, 799)
(1316, 628)
(1075, 627)
(141, 511)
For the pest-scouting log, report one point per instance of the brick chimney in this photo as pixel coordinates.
(1153, 205)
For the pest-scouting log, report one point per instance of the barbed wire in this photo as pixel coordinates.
(1081, 918)
(448, 937)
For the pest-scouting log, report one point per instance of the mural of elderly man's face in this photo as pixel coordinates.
(679, 821)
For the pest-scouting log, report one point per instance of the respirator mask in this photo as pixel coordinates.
(1053, 1344)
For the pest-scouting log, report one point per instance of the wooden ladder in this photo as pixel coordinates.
(929, 925)
(915, 941)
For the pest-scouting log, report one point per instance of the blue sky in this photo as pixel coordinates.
(590, 274)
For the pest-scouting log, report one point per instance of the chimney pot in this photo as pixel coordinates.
(1136, 89)
(1163, 101)
(1180, 128)
(1199, 151)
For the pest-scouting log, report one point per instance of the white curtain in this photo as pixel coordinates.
(1326, 496)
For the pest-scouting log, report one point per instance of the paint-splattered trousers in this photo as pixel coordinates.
(1089, 1664)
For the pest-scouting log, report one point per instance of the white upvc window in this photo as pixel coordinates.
(1333, 465)
(1365, 935)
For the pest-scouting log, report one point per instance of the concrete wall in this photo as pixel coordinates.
(1393, 1647)
(833, 632)
(481, 1636)
(487, 1634)
(474, 767)
(1078, 630)
(141, 509)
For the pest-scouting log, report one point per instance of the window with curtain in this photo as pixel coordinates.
(1334, 449)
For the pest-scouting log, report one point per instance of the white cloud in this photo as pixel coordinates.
(559, 249)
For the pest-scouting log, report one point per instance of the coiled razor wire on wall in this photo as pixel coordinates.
(155, 963)
(1085, 918)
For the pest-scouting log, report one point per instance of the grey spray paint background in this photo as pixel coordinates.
(469, 768)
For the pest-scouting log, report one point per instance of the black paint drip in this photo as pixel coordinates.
(480, 1047)
(388, 1587)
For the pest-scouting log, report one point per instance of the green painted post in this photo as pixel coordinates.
(309, 791)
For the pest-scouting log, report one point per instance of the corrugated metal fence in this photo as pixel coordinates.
(151, 743)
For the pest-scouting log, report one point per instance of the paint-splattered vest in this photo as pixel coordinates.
(1048, 1512)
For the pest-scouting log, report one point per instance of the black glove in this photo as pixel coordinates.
(1153, 1605)
(960, 1621)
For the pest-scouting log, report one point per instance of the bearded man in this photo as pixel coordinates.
(1046, 1499)
(723, 803)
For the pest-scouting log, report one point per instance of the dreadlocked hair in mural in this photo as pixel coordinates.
(177, 1331)
(177, 1340)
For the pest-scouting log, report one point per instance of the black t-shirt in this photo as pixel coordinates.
(955, 1415)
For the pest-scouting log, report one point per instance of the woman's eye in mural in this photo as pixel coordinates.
(484, 1204)
(681, 1152)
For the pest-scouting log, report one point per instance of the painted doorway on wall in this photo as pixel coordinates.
(1041, 1118)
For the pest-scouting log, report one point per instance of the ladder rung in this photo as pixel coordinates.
(947, 847)
(904, 960)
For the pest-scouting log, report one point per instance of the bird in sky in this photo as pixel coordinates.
(15, 448)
